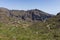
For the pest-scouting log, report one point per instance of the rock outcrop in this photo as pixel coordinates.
(29, 15)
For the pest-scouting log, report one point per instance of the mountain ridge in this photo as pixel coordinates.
(29, 15)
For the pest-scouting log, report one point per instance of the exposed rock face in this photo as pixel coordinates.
(58, 13)
(29, 15)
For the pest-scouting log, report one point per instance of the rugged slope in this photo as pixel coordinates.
(49, 30)
(29, 15)
(26, 30)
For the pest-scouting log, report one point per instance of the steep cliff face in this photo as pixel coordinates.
(29, 15)
(39, 15)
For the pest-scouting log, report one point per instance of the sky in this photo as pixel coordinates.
(49, 6)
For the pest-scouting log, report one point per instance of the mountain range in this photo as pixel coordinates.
(31, 24)
(29, 15)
